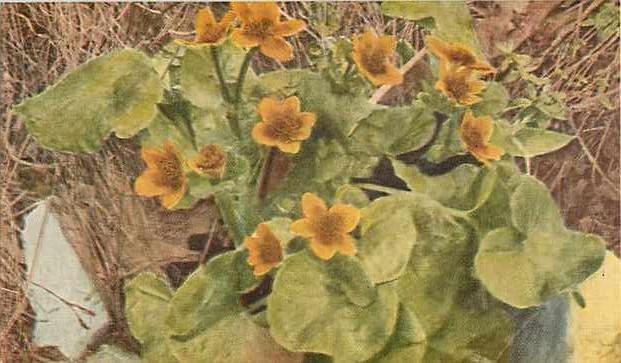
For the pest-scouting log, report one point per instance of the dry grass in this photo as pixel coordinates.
(40, 42)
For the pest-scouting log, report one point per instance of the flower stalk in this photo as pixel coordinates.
(215, 56)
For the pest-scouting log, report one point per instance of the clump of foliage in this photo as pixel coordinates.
(427, 273)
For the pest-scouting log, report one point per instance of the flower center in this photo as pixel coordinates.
(457, 86)
(473, 137)
(462, 57)
(270, 251)
(286, 127)
(374, 62)
(328, 227)
(211, 158)
(171, 172)
(212, 34)
(260, 29)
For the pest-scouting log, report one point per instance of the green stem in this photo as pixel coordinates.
(350, 66)
(216, 61)
(242, 74)
(265, 173)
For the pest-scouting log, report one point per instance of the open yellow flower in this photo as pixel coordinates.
(265, 250)
(210, 161)
(283, 125)
(475, 133)
(458, 86)
(208, 30)
(327, 229)
(261, 26)
(457, 54)
(372, 56)
(164, 176)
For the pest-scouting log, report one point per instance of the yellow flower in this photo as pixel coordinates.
(327, 229)
(283, 126)
(164, 176)
(210, 161)
(261, 26)
(457, 85)
(475, 133)
(457, 54)
(208, 30)
(371, 54)
(265, 250)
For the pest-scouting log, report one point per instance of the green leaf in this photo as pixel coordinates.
(393, 131)
(495, 100)
(460, 324)
(147, 298)
(197, 75)
(452, 19)
(386, 242)
(330, 307)
(116, 92)
(535, 141)
(233, 339)
(352, 195)
(466, 187)
(532, 207)
(542, 266)
(408, 342)
(210, 294)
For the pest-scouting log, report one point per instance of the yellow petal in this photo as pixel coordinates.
(170, 200)
(302, 227)
(325, 252)
(491, 152)
(291, 147)
(262, 134)
(289, 27)
(391, 76)
(264, 10)
(291, 105)
(475, 86)
(313, 206)
(262, 269)
(482, 67)
(241, 10)
(347, 246)
(469, 100)
(349, 215)
(269, 109)
(152, 156)
(203, 21)
(485, 125)
(276, 48)
(438, 47)
(147, 184)
(241, 39)
(386, 44)
(308, 121)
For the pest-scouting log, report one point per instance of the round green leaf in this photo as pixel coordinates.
(210, 294)
(532, 206)
(146, 297)
(330, 307)
(117, 92)
(386, 243)
(408, 342)
(528, 272)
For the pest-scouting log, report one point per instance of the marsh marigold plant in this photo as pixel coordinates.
(208, 30)
(475, 133)
(264, 248)
(372, 55)
(328, 230)
(261, 27)
(283, 125)
(164, 176)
